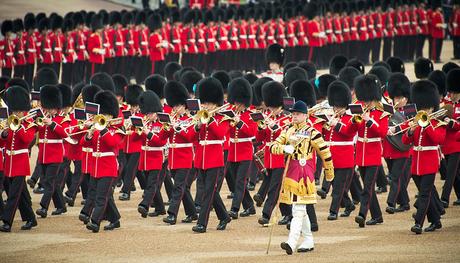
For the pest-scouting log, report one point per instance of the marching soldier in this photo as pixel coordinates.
(209, 158)
(69, 53)
(19, 48)
(240, 153)
(437, 31)
(8, 60)
(274, 56)
(31, 49)
(454, 28)
(17, 140)
(105, 144)
(51, 149)
(96, 50)
(426, 137)
(156, 44)
(180, 157)
(372, 127)
(80, 48)
(298, 142)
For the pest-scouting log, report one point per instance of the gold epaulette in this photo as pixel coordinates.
(30, 125)
(440, 123)
(120, 131)
(66, 119)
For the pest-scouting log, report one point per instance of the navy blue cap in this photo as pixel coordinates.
(299, 106)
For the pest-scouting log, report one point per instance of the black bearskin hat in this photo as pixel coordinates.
(120, 82)
(108, 103)
(439, 78)
(453, 81)
(175, 93)
(367, 88)
(339, 94)
(89, 91)
(357, 64)
(337, 63)
(322, 83)
(190, 79)
(398, 85)
(348, 75)
(425, 95)
(170, 69)
(223, 77)
(103, 80)
(275, 54)
(50, 97)
(132, 93)
(17, 99)
(210, 90)
(156, 83)
(45, 76)
(273, 93)
(66, 92)
(149, 102)
(239, 91)
(293, 74)
(303, 90)
(423, 67)
(257, 90)
(396, 64)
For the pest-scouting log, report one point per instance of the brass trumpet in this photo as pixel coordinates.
(14, 122)
(204, 116)
(99, 122)
(80, 124)
(422, 119)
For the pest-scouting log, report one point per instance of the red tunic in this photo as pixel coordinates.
(268, 136)
(455, 23)
(95, 42)
(50, 144)
(155, 47)
(31, 49)
(241, 147)
(450, 145)
(437, 19)
(341, 142)
(152, 148)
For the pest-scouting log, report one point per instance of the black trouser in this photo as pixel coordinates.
(452, 176)
(387, 43)
(130, 171)
(18, 197)
(355, 188)
(400, 174)
(426, 201)
(64, 171)
(253, 173)
(411, 47)
(264, 186)
(92, 69)
(37, 174)
(105, 206)
(436, 49)
(419, 47)
(340, 185)
(141, 68)
(91, 197)
(181, 192)
(239, 170)
(29, 73)
(456, 43)
(52, 186)
(212, 179)
(326, 185)
(398, 47)
(77, 179)
(319, 168)
(381, 178)
(312, 214)
(376, 43)
(230, 178)
(79, 71)
(369, 199)
(153, 179)
(274, 177)
(19, 71)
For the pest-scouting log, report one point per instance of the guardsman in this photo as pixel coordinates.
(57, 44)
(437, 31)
(17, 141)
(31, 49)
(388, 32)
(299, 142)
(19, 48)
(105, 144)
(69, 53)
(156, 44)
(80, 48)
(8, 49)
(96, 50)
(372, 127)
(426, 136)
(455, 29)
(274, 56)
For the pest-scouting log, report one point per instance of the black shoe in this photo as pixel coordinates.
(390, 210)
(39, 190)
(31, 183)
(374, 221)
(29, 224)
(348, 211)
(285, 246)
(417, 229)
(313, 227)
(223, 224)
(456, 202)
(263, 221)
(189, 219)
(360, 220)
(84, 218)
(83, 202)
(93, 227)
(199, 228)
(119, 184)
(285, 220)
(288, 226)
(251, 187)
(233, 214)
(248, 212)
(332, 216)
(157, 213)
(380, 190)
(258, 199)
(304, 250)
(170, 219)
(41, 212)
(143, 211)
(433, 227)
(230, 196)
(402, 208)
(5, 228)
(442, 212)
(322, 193)
(69, 201)
(124, 197)
(445, 204)
(59, 211)
(112, 226)
(198, 209)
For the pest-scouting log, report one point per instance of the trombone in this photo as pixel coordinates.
(204, 116)
(422, 119)
(99, 122)
(14, 122)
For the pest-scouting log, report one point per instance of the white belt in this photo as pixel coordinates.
(346, 143)
(353, 28)
(87, 150)
(363, 28)
(200, 40)
(424, 22)
(243, 36)
(379, 25)
(31, 50)
(15, 152)
(211, 40)
(281, 36)
(224, 38)
(425, 148)
(58, 49)
(20, 52)
(176, 41)
(338, 32)
(82, 47)
(180, 145)
(9, 54)
(234, 38)
(130, 42)
(150, 149)
(301, 34)
(70, 50)
(371, 26)
(47, 49)
(103, 154)
(270, 38)
(346, 30)
(251, 36)
(328, 31)
(192, 40)
(208, 142)
(144, 43)
(50, 140)
(292, 35)
(369, 139)
(237, 140)
(119, 43)
(406, 23)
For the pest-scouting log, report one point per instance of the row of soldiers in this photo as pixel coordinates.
(139, 43)
(127, 132)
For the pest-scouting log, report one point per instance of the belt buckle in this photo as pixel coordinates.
(418, 148)
(302, 162)
(173, 145)
(365, 139)
(12, 152)
(45, 140)
(97, 155)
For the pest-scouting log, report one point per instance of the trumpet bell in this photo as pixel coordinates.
(422, 119)
(357, 119)
(14, 123)
(100, 122)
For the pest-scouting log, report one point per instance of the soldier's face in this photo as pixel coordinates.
(298, 117)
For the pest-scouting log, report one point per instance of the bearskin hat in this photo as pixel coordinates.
(257, 90)
(275, 54)
(239, 91)
(149, 102)
(56, 22)
(322, 83)
(170, 69)
(339, 94)
(29, 23)
(17, 99)
(356, 63)
(89, 91)
(45, 76)
(367, 88)
(120, 82)
(18, 25)
(223, 77)
(50, 97)
(18, 82)
(96, 23)
(348, 75)
(453, 80)
(293, 74)
(156, 83)
(7, 26)
(423, 67)
(103, 80)
(398, 85)
(132, 93)
(448, 66)
(210, 90)
(337, 63)
(425, 95)
(66, 92)
(190, 79)
(108, 103)
(381, 72)
(439, 78)
(76, 91)
(303, 90)
(251, 77)
(382, 64)
(309, 67)
(154, 22)
(273, 93)
(175, 93)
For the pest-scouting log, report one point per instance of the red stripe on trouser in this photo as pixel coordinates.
(16, 202)
(310, 54)
(109, 189)
(92, 68)
(371, 192)
(212, 199)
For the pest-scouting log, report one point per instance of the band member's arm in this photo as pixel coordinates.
(261, 134)
(110, 138)
(248, 129)
(324, 153)
(278, 145)
(379, 126)
(155, 139)
(346, 127)
(437, 134)
(59, 129)
(26, 134)
(219, 128)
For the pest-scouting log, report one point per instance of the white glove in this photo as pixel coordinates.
(289, 149)
(322, 34)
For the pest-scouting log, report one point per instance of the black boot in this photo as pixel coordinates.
(112, 225)
(29, 224)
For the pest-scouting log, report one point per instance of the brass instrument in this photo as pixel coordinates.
(99, 122)
(204, 116)
(422, 119)
(14, 122)
(318, 107)
(80, 124)
(358, 118)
